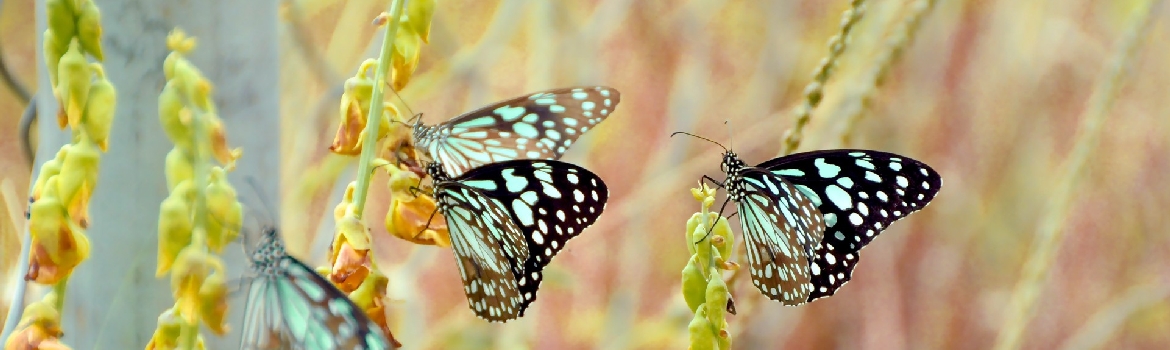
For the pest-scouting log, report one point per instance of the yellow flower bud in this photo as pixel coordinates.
(354, 232)
(716, 298)
(225, 212)
(174, 230)
(40, 327)
(351, 266)
(55, 46)
(219, 145)
(223, 226)
(694, 285)
(174, 117)
(404, 59)
(99, 110)
(418, 20)
(166, 336)
(702, 336)
(61, 18)
(178, 167)
(58, 245)
(89, 29)
(48, 170)
(78, 178)
(355, 104)
(74, 77)
(191, 269)
(213, 303)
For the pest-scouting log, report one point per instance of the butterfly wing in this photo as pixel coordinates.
(782, 231)
(300, 309)
(489, 250)
(859, 193)
(549, 201)
(539, 126)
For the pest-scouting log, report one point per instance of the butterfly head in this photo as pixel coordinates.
(731, 164)
(435, 170)
(419, 131)
(268, 251)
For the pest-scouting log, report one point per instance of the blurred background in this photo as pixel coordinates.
(991, 94)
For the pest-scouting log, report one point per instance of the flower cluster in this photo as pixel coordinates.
(201, 215)
(709, 239)
(351, 268)
(59, 213)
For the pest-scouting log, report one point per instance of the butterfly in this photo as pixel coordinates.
(806, 216)
(291, 306)
(507, 220)
(538, 126)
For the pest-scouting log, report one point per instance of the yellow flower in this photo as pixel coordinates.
(166, 336)
(174, 228)
(408, 215)
(350, 267)
(74, 77)
(78, 178)
(191, 270)
(40, 327)
(58, 245)
(89, 29)
(213, 302)
(99, 111)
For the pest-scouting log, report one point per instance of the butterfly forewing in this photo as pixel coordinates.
(782, 232)
(489, 250)
(859, 193)
(549, 201)
(537, 126)
(291, 306)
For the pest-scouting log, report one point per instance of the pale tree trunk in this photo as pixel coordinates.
(114, 298)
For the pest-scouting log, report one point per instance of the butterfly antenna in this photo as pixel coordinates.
(698, 137)
(264, 204)
(416, 117)
(730, 137)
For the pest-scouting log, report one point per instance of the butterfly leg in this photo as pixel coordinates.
(706, 179)
(712, 228)
(428, 225)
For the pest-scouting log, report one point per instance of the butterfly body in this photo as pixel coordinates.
(290, 306)
(507, 221)
(806, 216)
(541, 125)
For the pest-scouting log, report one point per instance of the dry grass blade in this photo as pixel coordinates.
(1021, 306)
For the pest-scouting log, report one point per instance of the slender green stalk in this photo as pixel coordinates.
(189, 335)
(1021, 306)
(814, 91)
(374, 117)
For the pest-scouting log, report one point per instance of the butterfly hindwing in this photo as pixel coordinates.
(859, 193)
(537, 126)
(489, 249)
(781, 232)
(549, 201)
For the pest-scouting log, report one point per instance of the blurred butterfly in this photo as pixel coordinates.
(806, 216)
(538, 126)
(507, 220)
(290, 306)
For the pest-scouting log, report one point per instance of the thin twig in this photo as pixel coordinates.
(10, 80)
(815, 89)
(886, 60)
(369, 144)
(1021, 306)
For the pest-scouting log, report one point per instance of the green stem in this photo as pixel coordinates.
(59, 289)
(374, 117)
(189, 333)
